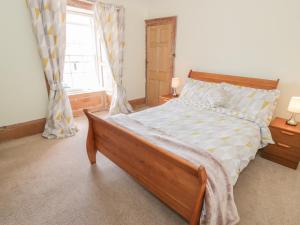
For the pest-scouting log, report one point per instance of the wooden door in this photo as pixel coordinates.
(160, 53)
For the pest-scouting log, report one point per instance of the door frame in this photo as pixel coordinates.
(159, 21)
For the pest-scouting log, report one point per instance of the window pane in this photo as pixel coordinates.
(80, 71)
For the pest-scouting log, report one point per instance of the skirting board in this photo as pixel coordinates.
(37, 126)
(22, 129)
(137, 102)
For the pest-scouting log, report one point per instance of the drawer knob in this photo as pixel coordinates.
(283, 145)
(287, 133)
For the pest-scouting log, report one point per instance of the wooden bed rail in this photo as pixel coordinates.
(175, 181)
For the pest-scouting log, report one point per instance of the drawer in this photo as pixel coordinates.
(282, 161)
(286, 137)
(284, 151)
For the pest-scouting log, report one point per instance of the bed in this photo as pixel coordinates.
(137, 145)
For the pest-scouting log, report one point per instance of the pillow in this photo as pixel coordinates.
(203, 93)
(258, 104)
(216, 96)
(190, 87)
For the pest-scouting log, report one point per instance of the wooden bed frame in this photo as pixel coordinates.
(174, 180)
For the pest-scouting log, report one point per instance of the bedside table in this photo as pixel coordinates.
(164, 98)
(286, 150)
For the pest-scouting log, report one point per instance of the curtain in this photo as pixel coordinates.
(49, 25)
(110, 25)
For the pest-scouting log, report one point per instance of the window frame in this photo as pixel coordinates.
(87, 11)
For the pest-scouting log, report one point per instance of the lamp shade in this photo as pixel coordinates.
(294, 105)
(175, 82)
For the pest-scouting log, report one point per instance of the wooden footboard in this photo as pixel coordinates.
(175, 181)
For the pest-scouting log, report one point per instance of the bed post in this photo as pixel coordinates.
(200, 197)
(90, 141)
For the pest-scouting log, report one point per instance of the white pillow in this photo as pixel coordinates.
(258, 104)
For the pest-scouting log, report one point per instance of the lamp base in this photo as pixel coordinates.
(174, 92)
(292, 121)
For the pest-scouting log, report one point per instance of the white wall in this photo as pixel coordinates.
(259, 38)
(23, 94)
(255, 38)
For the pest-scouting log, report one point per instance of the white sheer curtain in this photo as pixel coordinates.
(110, 27)
(49, 25)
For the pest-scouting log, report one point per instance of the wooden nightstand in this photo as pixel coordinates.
(164, 98)
(286, 151)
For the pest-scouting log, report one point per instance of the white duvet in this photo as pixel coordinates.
(231, 140)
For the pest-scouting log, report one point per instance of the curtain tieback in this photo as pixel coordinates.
(56, 87)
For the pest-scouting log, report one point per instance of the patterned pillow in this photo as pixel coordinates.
(216, 96)
(190, 87)
(258, 104)
(203, 93)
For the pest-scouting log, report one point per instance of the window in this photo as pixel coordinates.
(86, 67)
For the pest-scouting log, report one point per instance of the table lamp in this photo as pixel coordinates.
(175, 84)
(294, 107)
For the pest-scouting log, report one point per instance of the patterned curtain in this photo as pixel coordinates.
(110, 26)
(49, 25)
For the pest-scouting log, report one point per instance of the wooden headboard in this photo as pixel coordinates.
(237, 80)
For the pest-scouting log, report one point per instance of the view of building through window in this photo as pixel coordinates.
(86, 67)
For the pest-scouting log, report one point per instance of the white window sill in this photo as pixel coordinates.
(79, 92)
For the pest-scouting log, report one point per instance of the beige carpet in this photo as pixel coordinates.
(51, 182)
